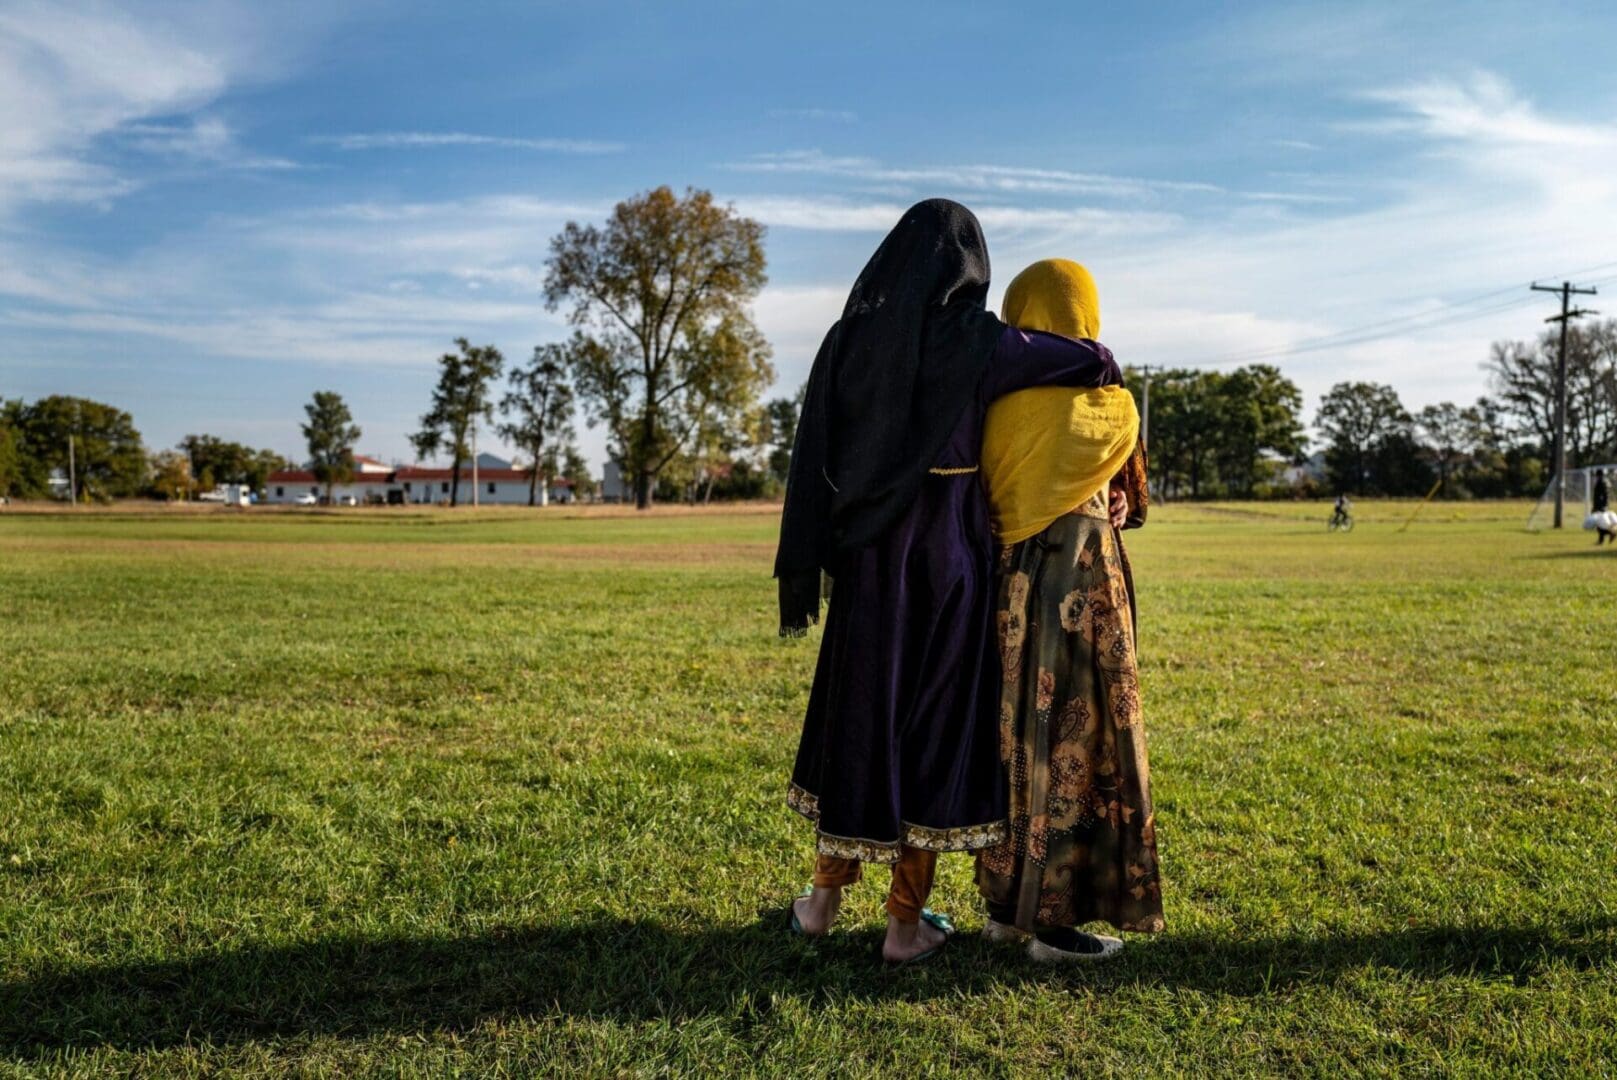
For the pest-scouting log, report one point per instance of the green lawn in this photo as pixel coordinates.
(396, 793)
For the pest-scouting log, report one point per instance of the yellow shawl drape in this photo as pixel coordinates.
(1048, 450)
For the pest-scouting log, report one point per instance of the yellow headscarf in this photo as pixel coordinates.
(1048, 450)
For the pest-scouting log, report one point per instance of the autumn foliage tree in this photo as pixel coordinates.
(171, 475)
(665, 347)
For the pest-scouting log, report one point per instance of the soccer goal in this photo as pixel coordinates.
(1580, 486)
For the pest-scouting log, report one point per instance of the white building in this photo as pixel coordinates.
(374, 483)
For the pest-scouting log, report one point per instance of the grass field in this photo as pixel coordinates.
(501, 793)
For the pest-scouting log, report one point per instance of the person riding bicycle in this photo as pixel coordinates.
(1343, 513)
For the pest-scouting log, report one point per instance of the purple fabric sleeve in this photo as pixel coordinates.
(1025, 358)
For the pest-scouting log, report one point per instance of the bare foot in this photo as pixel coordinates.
(906, 941)
(818, 910)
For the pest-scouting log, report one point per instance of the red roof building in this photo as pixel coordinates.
(417, 484)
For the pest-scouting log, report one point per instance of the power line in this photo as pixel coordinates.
(1371, 332)
(1445, 315)
(1362, 337)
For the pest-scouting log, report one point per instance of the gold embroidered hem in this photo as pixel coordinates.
(962, 838)
(964, 470)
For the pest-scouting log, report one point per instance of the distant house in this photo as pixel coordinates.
(497, 484)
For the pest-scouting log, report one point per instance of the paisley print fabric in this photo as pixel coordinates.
(1082, 843)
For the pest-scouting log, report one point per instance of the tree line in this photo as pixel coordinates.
(96, 447)
(1240, 434)
(665, 357)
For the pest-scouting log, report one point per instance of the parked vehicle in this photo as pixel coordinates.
(307, 500)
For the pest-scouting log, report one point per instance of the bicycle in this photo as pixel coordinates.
(1340, 522)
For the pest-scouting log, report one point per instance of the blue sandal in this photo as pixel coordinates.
(937, 920)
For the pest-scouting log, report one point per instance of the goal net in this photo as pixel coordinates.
(1580, 487)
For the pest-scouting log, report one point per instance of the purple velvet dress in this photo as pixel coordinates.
(901, 742)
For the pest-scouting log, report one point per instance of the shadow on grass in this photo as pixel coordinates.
(1590, 552)
(639, 971)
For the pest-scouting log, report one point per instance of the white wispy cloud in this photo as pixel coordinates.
(205, 139)
(1294, 197)
(1470, 207)
(1499, 138)
(68, 77)
(989, 178)
(840, 116)
(75, 75)
(427, 140)
(846, 215)
(1482, 109)
(369, 284)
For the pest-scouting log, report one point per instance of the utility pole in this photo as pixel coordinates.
(72, 474)
(1568, 313)
(1146, 371)
(474, 463)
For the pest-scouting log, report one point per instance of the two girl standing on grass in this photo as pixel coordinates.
(910, 747)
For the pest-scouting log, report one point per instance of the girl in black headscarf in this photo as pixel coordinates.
(899, 757)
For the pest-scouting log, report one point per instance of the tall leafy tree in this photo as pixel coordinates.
(108, 460)
(1400, 465)
(1505, 460)
(660, 297)
(782, 414)
(260, 465)
(218, 461)
(459, 401)
(1260, 415)
(331, 434)
(1450, 437)
(1358, 419)
(10, 454)
(565, 462)
(540, 407)
(1185, 425)
(721, 444)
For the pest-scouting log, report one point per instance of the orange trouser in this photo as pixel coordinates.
(912, 880)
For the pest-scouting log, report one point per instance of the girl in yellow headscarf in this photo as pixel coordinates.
(1082, 843)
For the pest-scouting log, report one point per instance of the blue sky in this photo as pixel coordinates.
(208, 212)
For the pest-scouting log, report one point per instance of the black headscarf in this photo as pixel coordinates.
(887, 388)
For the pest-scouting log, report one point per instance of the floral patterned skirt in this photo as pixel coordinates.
(1083, 838)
